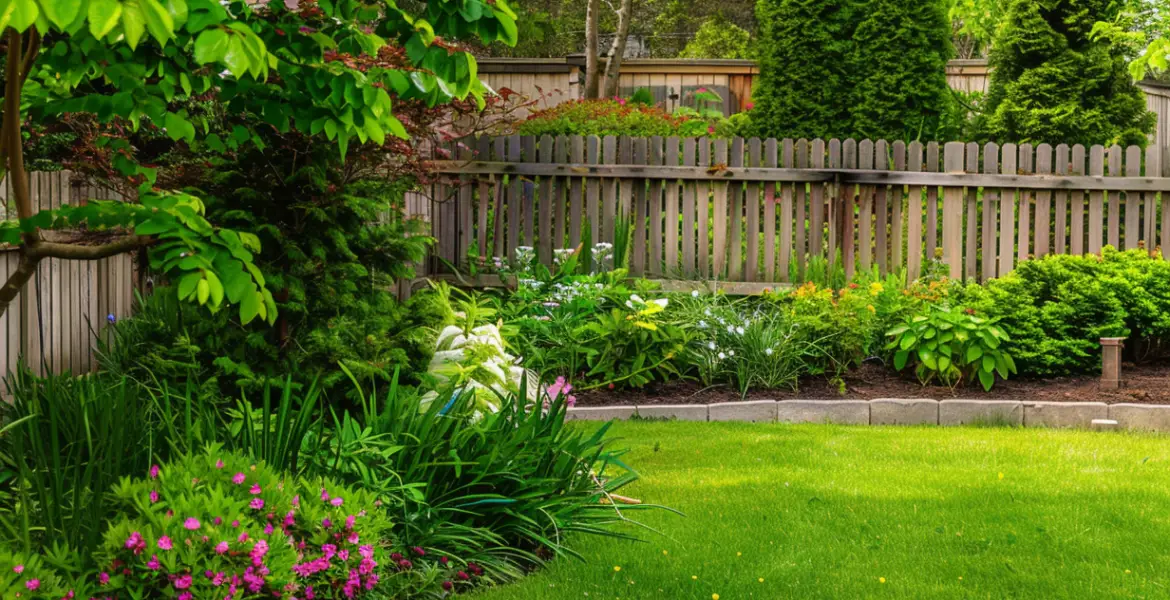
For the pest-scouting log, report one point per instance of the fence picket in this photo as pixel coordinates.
(1043, 202)
(881, 162)
(914, 218)
(786, 195)
(703, 210)
(990, 212)
(771, 160)
(654, 210)
(802, 251)
(833, 211)
(1114, 158)
(528, 187)
(1024, 213)
(897, 201)
(719, 235)
(1076, 226)
(970, 265)
(688, 210)
(817, 201)
(952, 226)
(752, 220)
(671, 190)
(848, 205)
(609, 190)
(735, 222)
(1060, 220)
(547, 187)
(638, 261)
(932, 166)
(592, 189)
(1133, 210)
(1096, 169)
(865, 195)
(483, 152)
(515, 190)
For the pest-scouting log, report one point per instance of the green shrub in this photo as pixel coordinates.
(601, 118)
(898, 88)
(1053, 82)
(951, 345)
(805, 75)
(1055, 311)
(718, 37)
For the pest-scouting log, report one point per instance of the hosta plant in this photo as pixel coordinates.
(632, 345)
(951, 345)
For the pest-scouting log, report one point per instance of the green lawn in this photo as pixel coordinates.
(829, 512)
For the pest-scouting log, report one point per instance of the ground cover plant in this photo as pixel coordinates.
(813, 511)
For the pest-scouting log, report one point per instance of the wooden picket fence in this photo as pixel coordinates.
(744, 210)
(53, 322)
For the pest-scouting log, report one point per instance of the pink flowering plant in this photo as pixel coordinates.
(218, 525)
(29, 577)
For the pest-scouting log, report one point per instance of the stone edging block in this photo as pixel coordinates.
(756, 411)
(981, 412)
(1063, 414)
(896, 411)
(844, 412)
(1151, 417)
(682, 412)
(598, 413)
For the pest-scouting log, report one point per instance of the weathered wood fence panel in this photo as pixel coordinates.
(52, 323)
(757, 210)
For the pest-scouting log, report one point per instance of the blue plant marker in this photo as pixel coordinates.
(450, 403)
(111, 318)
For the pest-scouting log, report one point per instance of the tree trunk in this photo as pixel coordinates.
(613, 67)
(592, 60)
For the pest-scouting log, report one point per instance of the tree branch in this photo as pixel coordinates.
(79, 252)
(30, 53)
(613, 66)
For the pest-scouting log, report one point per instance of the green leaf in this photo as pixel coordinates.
(900, 358)
(908, 341)
(944, 362)
(202, 291)
(215, 289)
(988, 363)
(507, 31)
(974, 352)
(179, 128)
(236, 57)
(189, 283)
(61, 12)
(133, 22)
(987, 379)
(211, 46)
(158, 21)
(250, 306)
(927, 357)
(23, 14)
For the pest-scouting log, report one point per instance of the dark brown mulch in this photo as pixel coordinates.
(1148, 384)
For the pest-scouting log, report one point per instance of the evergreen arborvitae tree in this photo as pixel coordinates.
(898, 69)
(803, 51)
(1052, 83)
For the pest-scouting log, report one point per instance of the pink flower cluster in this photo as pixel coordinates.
(559, 387)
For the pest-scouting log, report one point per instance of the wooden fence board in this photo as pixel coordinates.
(576, 198)
(593, 189)
(1024, 212)
(671, 197)
(865, 195)
(547, 184)
(688, 213)
(971, 250)
(785, 255)
(1060, 218)
(735, 220)
(914, 215)
(932, 166)
(897, 201)
(719, 215)
(654, 210)
(1133, 210)
(802, 251)
(609, 195)
(1076, 220)
(990, 213)
(515, 190)
(771, 159)
(952, 227)
(1043, 203)
(1096, 168)
(752, 217)
(816, 243)
(881, 162)
(703, 211)
(638, 260)
(834, 211)
(528, 185)
(848, 207)
(1114, 158)
(483, 149)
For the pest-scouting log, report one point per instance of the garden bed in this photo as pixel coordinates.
(1149, 384)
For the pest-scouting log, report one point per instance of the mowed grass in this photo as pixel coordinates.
(880, 512)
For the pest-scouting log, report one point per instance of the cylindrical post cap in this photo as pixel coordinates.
(1113, 341)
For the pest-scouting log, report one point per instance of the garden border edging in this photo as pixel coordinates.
(895, 411)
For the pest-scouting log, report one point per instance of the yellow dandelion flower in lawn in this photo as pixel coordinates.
(1127, 571)
(694, 577)
(881, 579)
(664, 552)
(960, 577)
(714, 596)
(761, 580)
(739, 553)
(1001, 475)
(616, 568)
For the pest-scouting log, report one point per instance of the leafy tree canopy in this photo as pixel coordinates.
(322, 68)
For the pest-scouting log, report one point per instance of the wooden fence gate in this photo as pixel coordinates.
(745, 210)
